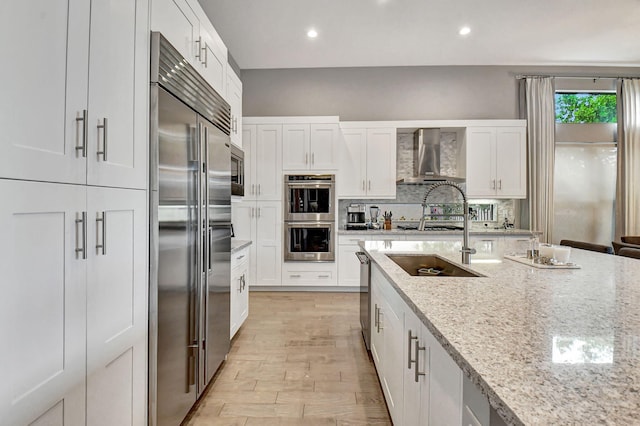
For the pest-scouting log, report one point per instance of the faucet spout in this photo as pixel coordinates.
(466, 251)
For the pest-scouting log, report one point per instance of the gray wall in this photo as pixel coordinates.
(396, 93)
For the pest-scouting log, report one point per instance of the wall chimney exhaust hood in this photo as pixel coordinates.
(426, 159)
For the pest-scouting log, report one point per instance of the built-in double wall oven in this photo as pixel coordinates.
(309, 218)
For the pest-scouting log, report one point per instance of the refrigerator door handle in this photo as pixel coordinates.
(210, 236)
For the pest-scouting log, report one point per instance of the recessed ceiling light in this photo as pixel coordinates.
(312, 33)
(464, 31)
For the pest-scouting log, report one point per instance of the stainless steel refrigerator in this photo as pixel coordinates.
(190, 235)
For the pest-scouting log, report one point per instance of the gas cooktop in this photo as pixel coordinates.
(432, 227)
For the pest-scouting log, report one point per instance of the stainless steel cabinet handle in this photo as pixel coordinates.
(239, 284)
(204, 49)
(375, 315)
(417, 374)
(198, 48)
(379, 326)
(306, 158)
(259, 189)
(363, 187)
(103, 126)
(240, 257)
(493, 184)
(500, 184)
(411, 338)
(259, 212)
(323, 276)
(84, 133)
(294, 275)
(244, 281)
(313, 158)
(102, 219)
(83, 238)
(253, 189)
(369, 184)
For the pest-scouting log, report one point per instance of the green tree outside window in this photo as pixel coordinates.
(585, 108)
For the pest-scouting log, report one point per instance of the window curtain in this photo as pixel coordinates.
(628, 173)
(537, 106)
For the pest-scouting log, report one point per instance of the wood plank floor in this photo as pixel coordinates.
(299, 359)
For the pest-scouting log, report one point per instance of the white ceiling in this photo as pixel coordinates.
(355, 33)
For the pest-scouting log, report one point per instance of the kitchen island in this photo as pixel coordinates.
(544, 346)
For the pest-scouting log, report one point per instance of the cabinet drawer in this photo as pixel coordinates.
(350, 239)
(239, 258)
(309, 278)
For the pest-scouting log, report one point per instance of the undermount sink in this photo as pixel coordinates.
(429, 265)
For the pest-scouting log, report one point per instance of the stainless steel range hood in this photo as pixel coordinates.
(426, 159)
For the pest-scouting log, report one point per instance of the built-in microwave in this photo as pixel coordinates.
(237, 171)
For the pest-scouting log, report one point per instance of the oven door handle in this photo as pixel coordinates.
(310, 185)
(310, 224)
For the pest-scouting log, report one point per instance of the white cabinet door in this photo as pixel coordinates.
(178, 23)
(348, 265)
(323, 146)
(234, 97)
(445, 386)
(511, 158)
(268, 158)
(43, 355)
(213, 57)
(381, 163)
(377, 326)
(268, 244)
(393, 359)
(415, 400)
(117, 149)
(249, 141)
(116, 306)
(352, 171)
(496, 162)
(48, 43)
(239, 289)
(481, 162)
(295, 147)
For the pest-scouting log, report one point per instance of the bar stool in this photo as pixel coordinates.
(629, 252)
(587, 246)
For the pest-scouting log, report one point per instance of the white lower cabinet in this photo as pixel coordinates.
(315, 274)
(416, 371)
(239, 289)
(77, 304)
(421, 383)
(261, 223)
(348, 263)
(386, 342)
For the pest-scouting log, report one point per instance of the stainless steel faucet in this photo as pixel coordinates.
(466, 251)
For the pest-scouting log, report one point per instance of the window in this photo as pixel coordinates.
(583, 107)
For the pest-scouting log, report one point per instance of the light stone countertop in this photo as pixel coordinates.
(237, 245)
(472, 232)
(548, 347)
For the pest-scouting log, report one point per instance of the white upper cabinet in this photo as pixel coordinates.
(262, 146)
(178, 23)
(88, 124)
(234, 97)
(188, 29)
(496, 162)
(117, 123)
(310, 146)
(367, 163)
(48, 43)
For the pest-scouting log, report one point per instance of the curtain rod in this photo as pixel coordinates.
(523, 76)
